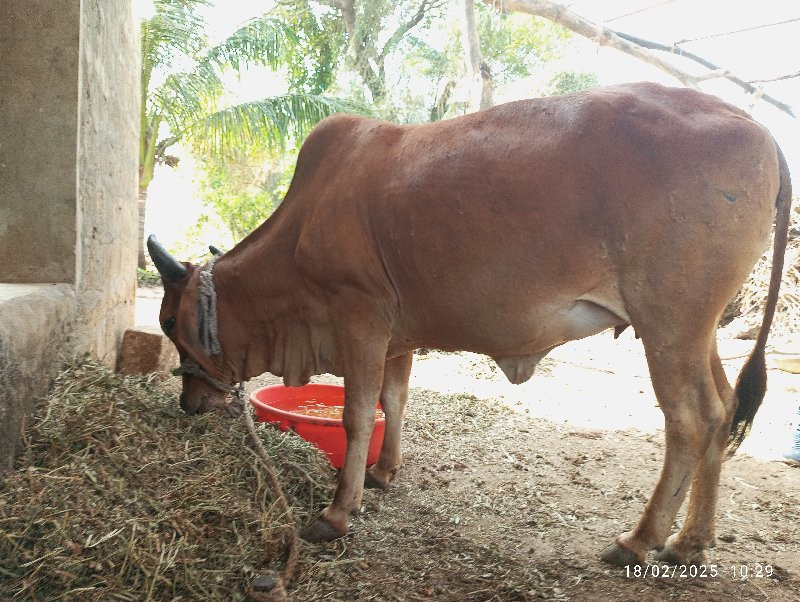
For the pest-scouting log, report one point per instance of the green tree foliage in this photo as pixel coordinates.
(376, 32)
(354, 44)
(245, 192)
(514, 46)
(565, 82)
(317, 49)
(403, 58)
(183, 95)
(189, 97)
(429, 77)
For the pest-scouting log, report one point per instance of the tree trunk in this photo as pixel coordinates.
(477, 70)
(142, 205)
(439, 108)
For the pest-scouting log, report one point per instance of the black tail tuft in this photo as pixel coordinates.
(750, 389)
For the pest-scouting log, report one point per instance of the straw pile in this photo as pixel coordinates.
(749, 301)
(119, 496)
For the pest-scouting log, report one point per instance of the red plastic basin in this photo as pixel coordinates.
(276, 405)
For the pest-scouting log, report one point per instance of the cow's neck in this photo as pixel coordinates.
(264, 313)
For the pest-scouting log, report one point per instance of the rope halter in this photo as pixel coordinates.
(192, 368)
(207, 330)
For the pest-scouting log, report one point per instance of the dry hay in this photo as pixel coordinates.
(120, 496)
(749, 301)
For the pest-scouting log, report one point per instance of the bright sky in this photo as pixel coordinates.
(759, 54)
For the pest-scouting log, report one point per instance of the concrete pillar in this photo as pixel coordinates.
(108, 177)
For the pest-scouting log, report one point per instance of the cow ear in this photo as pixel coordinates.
(171, 269)
(215, 251)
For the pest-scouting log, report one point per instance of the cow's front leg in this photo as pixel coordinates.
(394, 395)
(363, 380)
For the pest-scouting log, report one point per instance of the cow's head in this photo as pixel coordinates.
(205, 376)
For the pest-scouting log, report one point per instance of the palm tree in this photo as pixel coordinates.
(182, 90)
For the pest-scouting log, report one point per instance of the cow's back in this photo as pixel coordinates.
(484, 226)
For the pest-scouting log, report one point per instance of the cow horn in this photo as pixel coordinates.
(215, 250)
(170, 268)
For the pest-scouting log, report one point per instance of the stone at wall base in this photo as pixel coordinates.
(35, 320)
(146, 351)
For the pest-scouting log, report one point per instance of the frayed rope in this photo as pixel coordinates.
(207, 310)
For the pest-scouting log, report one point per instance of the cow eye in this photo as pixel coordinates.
(168, 325)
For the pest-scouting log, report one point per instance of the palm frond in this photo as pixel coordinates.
(175, 28)
(185, 96)
(260, 41)
(271, 123)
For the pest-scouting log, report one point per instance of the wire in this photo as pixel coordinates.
(637, 11)
(774, 79)
(727, 33)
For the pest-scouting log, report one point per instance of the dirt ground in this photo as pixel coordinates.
(510, 492)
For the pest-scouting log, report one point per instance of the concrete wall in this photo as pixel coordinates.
(38, 135)
(69, 119)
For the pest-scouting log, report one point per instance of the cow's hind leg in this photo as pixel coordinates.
(698, 533)
(394, 395)
(693, 413)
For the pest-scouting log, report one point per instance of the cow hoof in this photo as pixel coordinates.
(681, 551)
(373, 482)
(619, 555)
(378, 479)
(671, 556)
(321, 530)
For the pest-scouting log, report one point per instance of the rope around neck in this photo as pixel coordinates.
(207, 327)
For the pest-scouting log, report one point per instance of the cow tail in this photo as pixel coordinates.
(752, 382)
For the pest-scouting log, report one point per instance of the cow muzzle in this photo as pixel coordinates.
(197, 402)
(213, 402)
(204, 393)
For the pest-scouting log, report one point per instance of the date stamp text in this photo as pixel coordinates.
(698, 571)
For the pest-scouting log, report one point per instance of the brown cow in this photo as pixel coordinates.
(505, 232)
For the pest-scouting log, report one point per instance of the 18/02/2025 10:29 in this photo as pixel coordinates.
(698, 571)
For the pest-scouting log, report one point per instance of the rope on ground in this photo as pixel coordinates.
(269, 588)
